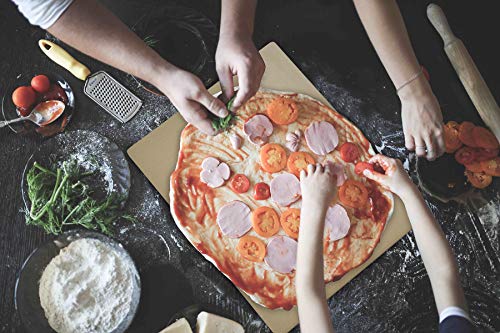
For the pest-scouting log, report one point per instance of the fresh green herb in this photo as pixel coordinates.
(222, 124)
(150, 41)
(60, 197)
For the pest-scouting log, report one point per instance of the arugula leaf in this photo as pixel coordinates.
(60, 197)
(222, 124)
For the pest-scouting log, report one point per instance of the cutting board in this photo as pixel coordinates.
(156, 156)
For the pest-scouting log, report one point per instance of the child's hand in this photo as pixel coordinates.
(395, 178)
(318, 185)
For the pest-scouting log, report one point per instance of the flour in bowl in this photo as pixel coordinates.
(87, 288)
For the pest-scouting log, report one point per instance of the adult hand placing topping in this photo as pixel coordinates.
(394, 178)
(191, 98)
(422, 119)
(237, 55)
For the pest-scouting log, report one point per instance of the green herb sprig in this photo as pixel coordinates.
(60, 197)
(222, 124)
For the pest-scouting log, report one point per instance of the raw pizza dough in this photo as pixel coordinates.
(194, 205)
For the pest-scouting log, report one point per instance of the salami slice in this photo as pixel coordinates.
(234, 219)
(337, 223)
(321, 137)
(285, 189)
(281, 254)
(258, 129)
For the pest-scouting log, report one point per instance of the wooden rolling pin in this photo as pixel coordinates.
(467, 71)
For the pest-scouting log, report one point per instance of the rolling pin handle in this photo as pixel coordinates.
(440, 23)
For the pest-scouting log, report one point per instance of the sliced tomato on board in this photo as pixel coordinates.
(353, 194)
(465, 134)
(451, 139)
(478, 179)
(491, 167)
(483, 138)
(349, 152)
(299, 161)
(261, 191)
(282, 111)
(290, 222)
(362, 166)
(273, 157)
(251, 248)
(265, 221)
(465, 155)
(240, 183)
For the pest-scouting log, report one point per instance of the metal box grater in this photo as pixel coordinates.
(112, 96)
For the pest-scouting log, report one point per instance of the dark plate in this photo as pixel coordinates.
(26, 297)
(90, 147)
(28, 128)
(443, 178)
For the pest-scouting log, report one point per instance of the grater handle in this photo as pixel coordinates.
(58, 55)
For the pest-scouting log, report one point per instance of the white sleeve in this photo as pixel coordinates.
(453, 311)
(43, 13)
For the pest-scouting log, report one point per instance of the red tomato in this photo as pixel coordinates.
(465, 155)
(240, 183)
(362, 166)
(349, 152)
(40, 83)
(24, 97)
(261, 191)
(485, 154)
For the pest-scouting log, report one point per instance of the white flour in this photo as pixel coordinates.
(86, 288)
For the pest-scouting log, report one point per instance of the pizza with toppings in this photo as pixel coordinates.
(239, 205)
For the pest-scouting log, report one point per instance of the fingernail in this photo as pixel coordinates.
(223, 112)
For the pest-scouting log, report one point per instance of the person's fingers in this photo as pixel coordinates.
(409, 141)
(329, 167)
(420, 147)
(441, 148)
(214, 105)
(310, 169)
(247, 87)
(319, 168)
(194, 114)
(302, 174)
(226, 82)
(375, 176)
(431, 148)
(381, 160)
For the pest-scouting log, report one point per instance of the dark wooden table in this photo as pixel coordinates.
(326, 40)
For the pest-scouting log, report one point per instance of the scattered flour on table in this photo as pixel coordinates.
(86, 288)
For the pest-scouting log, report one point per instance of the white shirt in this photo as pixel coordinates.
(453, 311)
(43, 13)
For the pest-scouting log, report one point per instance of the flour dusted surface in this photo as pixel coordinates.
(86, 288)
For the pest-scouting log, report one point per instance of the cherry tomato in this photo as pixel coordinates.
(24, 97)
(349, 152)
(362, 166)
(261, 191)
(240, 183)
(40, 83)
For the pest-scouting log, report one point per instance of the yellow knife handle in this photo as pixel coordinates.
(58, 55)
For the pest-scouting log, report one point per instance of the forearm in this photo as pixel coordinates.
(436, 253)
(237, 18)
(92, 29)
(313, 310)
(385, 28)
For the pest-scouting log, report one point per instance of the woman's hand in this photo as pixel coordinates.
(422, 119)
(191, 98)
(238, 56)
(394, 178)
